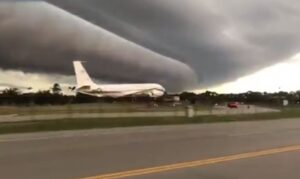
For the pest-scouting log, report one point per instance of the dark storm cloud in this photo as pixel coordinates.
(39, 37)
(221, 40)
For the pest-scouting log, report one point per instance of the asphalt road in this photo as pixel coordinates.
(258, 149)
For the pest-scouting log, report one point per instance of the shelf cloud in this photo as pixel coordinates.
(180, 44)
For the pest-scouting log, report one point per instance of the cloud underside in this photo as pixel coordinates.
(181, 45)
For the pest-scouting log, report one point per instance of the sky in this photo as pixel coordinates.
(227, 46)
(283, 76)
(279, 77)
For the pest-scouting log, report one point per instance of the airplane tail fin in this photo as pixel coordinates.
(82, 77)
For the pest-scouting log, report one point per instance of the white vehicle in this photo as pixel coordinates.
(85, 85)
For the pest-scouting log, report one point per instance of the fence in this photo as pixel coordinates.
(77, 112)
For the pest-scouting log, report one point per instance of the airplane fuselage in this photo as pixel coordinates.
(147, 89)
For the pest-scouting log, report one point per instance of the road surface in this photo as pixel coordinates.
(258, 149)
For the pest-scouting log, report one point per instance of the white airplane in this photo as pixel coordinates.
(85, 85)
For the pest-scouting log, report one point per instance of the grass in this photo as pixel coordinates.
(73, 124)
(84, 108)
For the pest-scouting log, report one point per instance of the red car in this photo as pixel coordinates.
(232, 105)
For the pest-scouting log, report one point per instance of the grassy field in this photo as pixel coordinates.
(90, 108)
(73, 124)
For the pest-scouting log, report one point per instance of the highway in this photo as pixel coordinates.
(255, 149)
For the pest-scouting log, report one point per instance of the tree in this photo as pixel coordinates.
(56, 89)
(9, 96)
(12, 92)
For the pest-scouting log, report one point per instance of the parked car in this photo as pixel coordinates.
(232, 105)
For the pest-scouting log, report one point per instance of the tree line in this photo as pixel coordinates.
(250, 97)
(54, 96)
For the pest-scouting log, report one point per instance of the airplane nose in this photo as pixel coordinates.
(157, 93)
